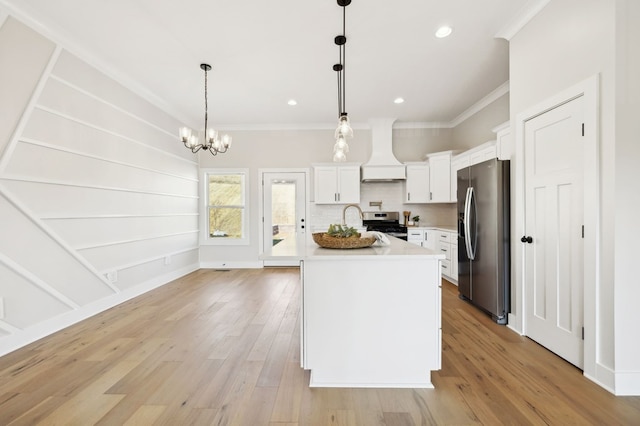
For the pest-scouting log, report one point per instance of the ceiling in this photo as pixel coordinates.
(264, 53)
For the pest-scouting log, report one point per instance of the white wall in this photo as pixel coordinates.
(476, 129)
(563, 45)
(92, 182)
(627, 198)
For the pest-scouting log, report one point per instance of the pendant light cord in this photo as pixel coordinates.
(206, 108)
(343, 62)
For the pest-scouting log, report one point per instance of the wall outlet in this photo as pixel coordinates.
(167, 260)
(112, 276)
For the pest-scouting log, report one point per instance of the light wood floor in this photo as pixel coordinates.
(217, 348)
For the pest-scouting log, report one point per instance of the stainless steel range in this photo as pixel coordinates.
(387, 222)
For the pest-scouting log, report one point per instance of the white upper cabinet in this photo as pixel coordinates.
(430, 181)
(504, 141)
(337, 184)
(417, 183)
(440, 177)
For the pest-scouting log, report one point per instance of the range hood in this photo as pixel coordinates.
(383, 165)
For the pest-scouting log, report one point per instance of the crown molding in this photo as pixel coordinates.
(500, 91)
(521, 18)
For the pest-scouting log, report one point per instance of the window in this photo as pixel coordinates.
(225, 216)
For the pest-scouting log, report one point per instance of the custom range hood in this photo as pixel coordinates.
(383, 165)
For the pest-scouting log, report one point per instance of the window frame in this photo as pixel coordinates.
(205, 238)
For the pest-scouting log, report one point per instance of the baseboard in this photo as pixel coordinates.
(232, 265)
(605, 378)
(31, 334)
(627, 383)
(512, 322)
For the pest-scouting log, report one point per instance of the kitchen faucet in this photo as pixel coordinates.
(344, 220)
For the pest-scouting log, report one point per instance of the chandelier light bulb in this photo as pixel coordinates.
(192, 140)
(226, 141)
(185, 134)
(211, 135)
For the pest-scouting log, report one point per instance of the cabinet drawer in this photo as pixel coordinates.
(415, 234)
(444, 236)
(446, 268)
(445, 248)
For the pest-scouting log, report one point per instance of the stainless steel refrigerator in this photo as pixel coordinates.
(483, 237)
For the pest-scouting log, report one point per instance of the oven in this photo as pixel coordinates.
(386, 222)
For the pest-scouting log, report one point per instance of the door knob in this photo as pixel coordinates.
(526, 239)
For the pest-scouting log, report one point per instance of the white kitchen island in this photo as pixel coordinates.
(371, 316)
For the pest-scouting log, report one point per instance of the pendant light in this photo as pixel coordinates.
(213, 142)
(344, 131)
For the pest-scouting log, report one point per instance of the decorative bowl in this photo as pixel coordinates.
(327, 241)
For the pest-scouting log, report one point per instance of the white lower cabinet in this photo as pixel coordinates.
(442, 241)
(448, 245)
(416, 236)
(431, 239)
(454, 256)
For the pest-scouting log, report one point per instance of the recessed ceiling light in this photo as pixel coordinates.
(292, 102)
(398, 100)
(444, 31)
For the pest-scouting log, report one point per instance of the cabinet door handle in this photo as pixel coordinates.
(430, 196)
(526, 239)
(408, 196)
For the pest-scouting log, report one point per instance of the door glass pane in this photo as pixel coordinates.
(283, 214)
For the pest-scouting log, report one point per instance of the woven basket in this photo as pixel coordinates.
(327, 241)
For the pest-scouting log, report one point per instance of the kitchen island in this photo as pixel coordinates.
(371, 316)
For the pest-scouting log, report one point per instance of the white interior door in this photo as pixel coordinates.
(284, 224)
(554, 156)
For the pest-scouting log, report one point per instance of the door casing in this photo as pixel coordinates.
(589, 89)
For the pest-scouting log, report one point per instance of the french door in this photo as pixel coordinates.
(284, 218)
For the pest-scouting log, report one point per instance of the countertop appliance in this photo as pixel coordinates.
(483, 237)
(387, 222)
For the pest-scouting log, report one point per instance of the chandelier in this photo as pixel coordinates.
(344, 131)
(213, 142)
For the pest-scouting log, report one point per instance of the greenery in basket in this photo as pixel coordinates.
(339, 231)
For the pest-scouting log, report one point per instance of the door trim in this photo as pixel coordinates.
(589, 90)
(261, 172)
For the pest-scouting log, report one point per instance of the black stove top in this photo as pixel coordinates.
(387, 222)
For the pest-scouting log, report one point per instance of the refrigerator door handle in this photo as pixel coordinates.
(467, 224)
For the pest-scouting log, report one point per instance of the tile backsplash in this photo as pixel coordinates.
(391, 194)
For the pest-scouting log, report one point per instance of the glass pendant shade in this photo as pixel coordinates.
(341, 145)
(211, 135)
(185, 134)
(226, 141)
(192, 140)
(344, 127)
(339, 156)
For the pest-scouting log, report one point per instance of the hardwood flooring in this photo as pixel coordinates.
(222, 348)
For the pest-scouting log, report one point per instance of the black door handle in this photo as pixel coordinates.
(526, 240)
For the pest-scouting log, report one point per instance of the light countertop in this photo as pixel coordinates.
(397, 249)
